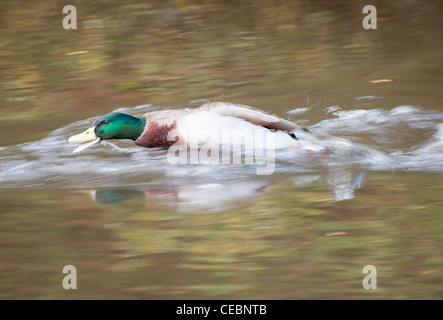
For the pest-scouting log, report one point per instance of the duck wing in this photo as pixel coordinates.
(250, 114)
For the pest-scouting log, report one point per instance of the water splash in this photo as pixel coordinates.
(333, 145)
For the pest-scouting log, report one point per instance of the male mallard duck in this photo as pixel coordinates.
(167, 127)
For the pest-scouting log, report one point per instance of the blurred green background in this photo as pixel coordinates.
(290, 242)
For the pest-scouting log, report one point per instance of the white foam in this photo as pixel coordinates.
(49, 162)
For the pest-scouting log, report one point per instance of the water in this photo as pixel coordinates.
(332, 144)
(363, 189)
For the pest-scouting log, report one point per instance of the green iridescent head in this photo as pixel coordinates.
(113, 125)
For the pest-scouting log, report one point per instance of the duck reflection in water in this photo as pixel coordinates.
(214, 197)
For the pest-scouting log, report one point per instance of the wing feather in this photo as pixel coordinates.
(250, 114)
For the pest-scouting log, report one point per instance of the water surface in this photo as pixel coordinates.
(137, 227)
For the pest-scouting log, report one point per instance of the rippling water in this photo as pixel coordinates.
(365, 188)
(333, 144)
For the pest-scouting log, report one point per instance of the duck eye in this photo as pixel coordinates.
(105, 122)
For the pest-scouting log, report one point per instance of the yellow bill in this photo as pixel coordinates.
(87, 139)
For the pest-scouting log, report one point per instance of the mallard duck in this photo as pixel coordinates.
(168, 127)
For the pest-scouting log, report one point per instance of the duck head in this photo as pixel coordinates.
(109, 126)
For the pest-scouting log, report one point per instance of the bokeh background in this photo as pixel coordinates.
(293, 235)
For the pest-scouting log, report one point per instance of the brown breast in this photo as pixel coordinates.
(156, 135)
(160, 125)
